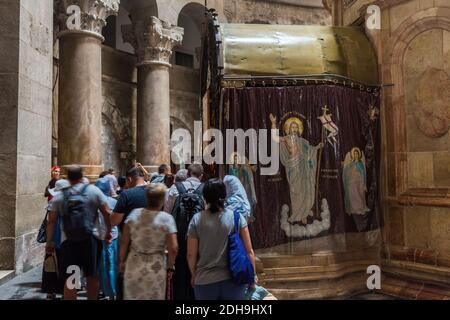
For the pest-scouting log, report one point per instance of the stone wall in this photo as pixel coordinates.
(413, 48)
(9, 82)
(119, 101)
(119, 94)
(274, 12)
(26, 77)
(184, 97)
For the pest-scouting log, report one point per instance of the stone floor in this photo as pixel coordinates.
(372, 296)
(27, 287)
(23, 287)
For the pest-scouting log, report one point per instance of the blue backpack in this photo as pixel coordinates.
(241, 268)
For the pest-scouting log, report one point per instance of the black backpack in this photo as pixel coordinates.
(187, 204)
(77, 220)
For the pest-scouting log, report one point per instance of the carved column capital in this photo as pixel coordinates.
(328, 4)
(93, 15)
(153, 40)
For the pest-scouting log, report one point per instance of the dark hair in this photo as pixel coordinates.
(135, 172)
(169, 180)
(111, 170)
(195, 170)
(215, 193)
(74, 173)
(162, 168)
(103, 174)
(122, 181)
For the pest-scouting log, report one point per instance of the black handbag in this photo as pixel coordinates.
(42, 234)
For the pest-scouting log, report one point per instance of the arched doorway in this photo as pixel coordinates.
(192, 19)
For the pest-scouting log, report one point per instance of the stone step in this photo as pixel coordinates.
(311, 270)
(6, 275)
(316, 281)
(405, 288)
(317, 259)
(326, 289)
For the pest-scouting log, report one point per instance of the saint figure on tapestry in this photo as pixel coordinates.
(299, 158)
(244, 172)
(355, 179)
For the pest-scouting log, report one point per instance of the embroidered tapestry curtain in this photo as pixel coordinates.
(329, 160)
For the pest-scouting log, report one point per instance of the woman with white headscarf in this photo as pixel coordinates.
(237, 197)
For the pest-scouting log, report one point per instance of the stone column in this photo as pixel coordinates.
(80, 85)
(153, 41)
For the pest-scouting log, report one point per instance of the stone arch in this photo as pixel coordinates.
(116, 137)
(395, 97)
(192, 19)
(113, 114)
(176, 123)
(170, 10)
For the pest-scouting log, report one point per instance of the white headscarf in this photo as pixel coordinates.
(236, 196)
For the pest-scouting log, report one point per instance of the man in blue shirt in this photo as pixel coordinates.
(131, 198)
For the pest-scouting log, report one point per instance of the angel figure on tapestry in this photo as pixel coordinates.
(244, 171)
(299, 158)
(355, 180)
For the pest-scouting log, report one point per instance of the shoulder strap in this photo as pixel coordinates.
(199, 189)
(83, 190)
(237, 217)
(66, 192)
(180, 187)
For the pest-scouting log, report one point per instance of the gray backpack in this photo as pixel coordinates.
(78, 222)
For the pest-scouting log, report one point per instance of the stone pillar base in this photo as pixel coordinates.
(90, 172)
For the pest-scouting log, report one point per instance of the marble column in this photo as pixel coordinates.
(80, 85)
(153, 41)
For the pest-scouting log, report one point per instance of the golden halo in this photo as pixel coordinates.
(352, 152)
(287, 125)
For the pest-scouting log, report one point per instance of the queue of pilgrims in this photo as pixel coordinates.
(147, 236)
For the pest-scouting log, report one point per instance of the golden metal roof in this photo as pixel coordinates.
(298, 50)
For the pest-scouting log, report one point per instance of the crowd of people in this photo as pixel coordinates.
(144, 236)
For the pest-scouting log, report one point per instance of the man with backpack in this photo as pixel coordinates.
(78, 207)
(183, 202)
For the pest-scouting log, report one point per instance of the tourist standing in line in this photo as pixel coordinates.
(146, 235)
(55, 176)
(237, 197)
(51, 283)
(193, 181)
(163, 170)
(132, 198)
(169, 180)
(110, 251)
(207, 251)
(111, 176)
(180, 176)
(184, 200)
(122, 181)
(78, 206)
